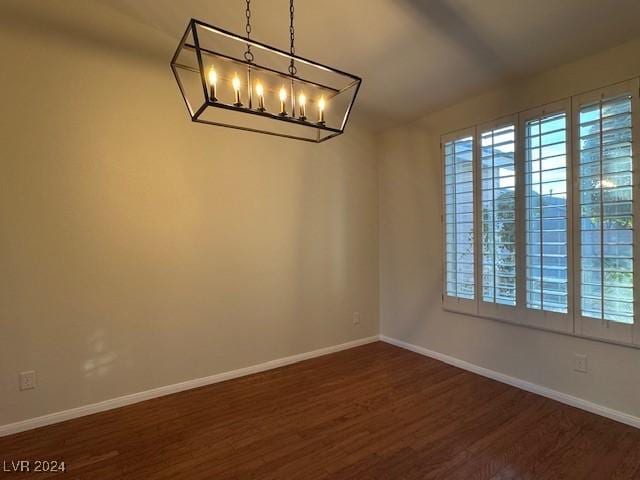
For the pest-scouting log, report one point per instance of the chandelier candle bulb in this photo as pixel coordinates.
(213, 80)
(321, 106)
(260, 93)
(283, 99)
(236, 87)
(302, 100)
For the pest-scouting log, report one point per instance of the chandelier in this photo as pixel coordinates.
(233, 81)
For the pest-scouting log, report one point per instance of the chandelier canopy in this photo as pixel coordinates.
(233, 81)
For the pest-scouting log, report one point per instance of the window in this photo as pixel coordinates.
(498, 204)
(606, 210)
(459, 220)
(539, 212)
(546, 212)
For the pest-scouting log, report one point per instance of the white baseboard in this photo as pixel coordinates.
(522, 384)
(221, 377)
(169, 389)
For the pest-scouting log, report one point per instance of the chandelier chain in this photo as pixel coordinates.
(292, 36)
(248, 54)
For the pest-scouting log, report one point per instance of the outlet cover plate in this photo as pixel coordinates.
(580, 364)
(28, 380)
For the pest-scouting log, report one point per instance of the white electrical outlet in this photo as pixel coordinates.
(356, 318)
(27, 380)
(580, 364)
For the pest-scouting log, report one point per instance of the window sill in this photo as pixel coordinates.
(568, 333)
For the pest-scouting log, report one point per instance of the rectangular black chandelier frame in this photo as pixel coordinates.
(196, 113)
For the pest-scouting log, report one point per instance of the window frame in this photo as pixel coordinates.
(592, 327)
(572, 323)
(451, 303)
(545, 319)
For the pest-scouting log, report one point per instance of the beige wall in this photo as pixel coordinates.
(411, 252)
(138, 249)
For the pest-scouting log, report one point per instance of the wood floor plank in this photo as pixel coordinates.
(372, 412)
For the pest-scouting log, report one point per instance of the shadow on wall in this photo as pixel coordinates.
(451, 23)
(321, 235)
(413, 219)
(81, 23)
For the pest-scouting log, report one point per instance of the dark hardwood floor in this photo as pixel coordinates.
(372, 412)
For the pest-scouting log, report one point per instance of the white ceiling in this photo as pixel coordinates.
(416, 55)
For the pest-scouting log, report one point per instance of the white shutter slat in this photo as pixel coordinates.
(459, 223)
(606, 210)
(546, 213)
(498, 213)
